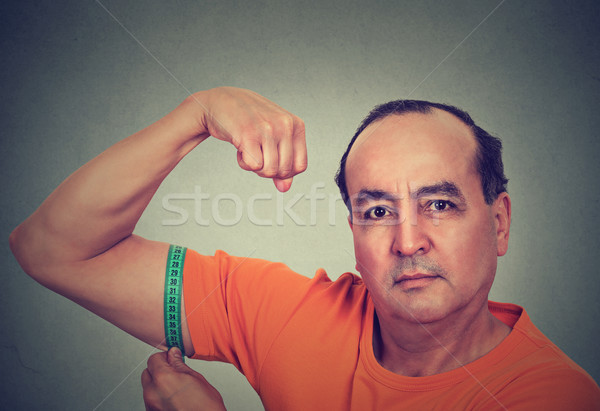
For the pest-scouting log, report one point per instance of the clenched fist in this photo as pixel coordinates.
(270, 141)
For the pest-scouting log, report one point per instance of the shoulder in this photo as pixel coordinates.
(538, 374)
(557, 388)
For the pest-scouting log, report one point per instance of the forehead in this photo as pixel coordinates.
(412, 149)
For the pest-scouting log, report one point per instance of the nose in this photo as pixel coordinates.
(410, 238)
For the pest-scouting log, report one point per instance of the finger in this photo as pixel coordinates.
(157, 361)
(270, 159)
(283, 181)
(152, 399)
(250, 156)
(174, 355)
(241, 163)
(146, 379)
(286, 158)
(150, 394)
(299, 147)
(175, 360)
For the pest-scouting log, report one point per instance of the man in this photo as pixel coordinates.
(429, 214)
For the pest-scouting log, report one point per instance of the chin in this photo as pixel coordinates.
(424, 318)
(423, 312)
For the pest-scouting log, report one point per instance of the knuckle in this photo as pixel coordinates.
(265, 128)
(270, 173)
(286, 124)
(149, 397)
(285, 171)
(300, 167)
(286, 168)
(251, 162)
(300, 127)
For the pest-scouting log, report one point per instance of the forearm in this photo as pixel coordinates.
(100, 204)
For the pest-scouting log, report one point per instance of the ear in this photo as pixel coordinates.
(501, 209)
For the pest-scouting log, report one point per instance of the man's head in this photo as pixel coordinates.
(488, 155)
(429, 215)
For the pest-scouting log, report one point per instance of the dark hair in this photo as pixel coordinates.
(488, 155)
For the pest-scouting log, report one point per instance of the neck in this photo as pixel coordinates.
(418, 350)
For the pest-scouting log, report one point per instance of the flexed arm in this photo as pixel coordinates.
(76, 242)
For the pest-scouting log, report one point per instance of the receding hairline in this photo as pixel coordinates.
(427, 111)
(488, 152)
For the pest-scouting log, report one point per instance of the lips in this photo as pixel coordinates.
(417, 276)
(414, 281)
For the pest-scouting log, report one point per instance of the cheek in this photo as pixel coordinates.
(475, 253)
(371, 247)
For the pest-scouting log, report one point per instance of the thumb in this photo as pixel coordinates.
(175, 359)
(283, 185)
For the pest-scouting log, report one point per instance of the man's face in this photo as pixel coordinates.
(425, 241)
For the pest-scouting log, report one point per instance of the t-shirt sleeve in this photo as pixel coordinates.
(236, 306)
(560, 389)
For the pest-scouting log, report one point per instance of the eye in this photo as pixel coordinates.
(441, 205)
(376, 213)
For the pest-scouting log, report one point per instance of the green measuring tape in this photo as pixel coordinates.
(173, 288)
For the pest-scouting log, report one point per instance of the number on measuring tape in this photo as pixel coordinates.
(173, 289)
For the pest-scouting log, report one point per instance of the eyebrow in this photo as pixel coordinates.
(365, 195)
(446, 188)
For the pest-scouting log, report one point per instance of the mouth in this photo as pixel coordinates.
(418, 280)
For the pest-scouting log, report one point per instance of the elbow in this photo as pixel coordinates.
(15, 242)
(23, 248)
(35, 251)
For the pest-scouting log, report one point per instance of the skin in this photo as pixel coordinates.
(169, 384)
(425, 241)
(76, 242)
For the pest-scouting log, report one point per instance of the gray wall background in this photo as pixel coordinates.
(74, 82)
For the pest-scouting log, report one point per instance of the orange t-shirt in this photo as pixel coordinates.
(306, 344)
